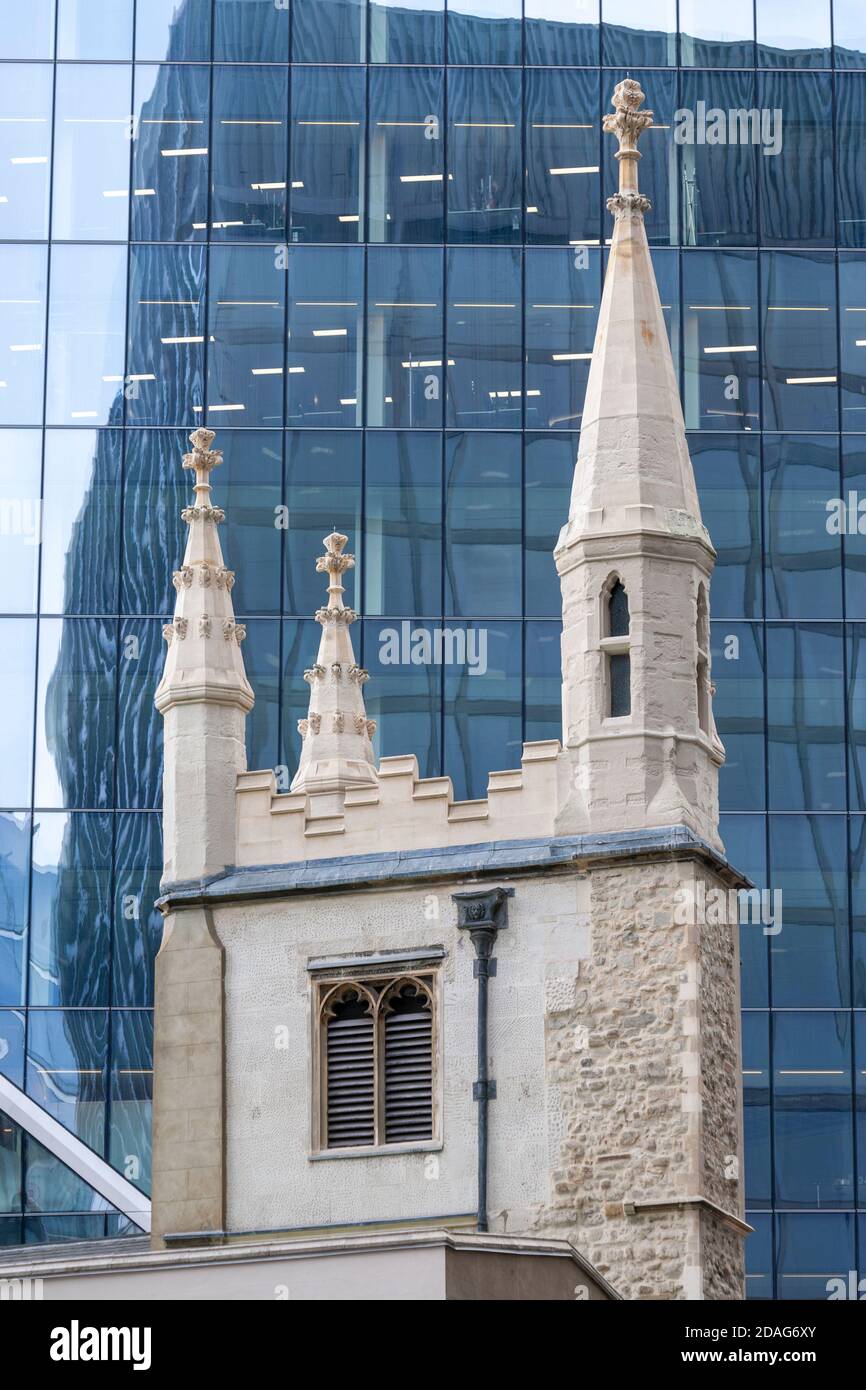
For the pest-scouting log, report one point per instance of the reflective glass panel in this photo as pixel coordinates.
(659, 153)
(70, 910)
(728, 474)
(88, 30)
(86, 335)
(405, 659)
(137, 923)
(561, 32)
(719, 140)
(484, 31)
(793, 33)
(80, 521)
(812, 1110)
(141, 657)
(11, 1059)
(246, 324)
(169, 168)
(25, 150)
(329, 31)
(66, 1065)
(484, 338)
(164, 29)
(77, 659)
(716, 37)
(802, 552)
(20, 519)
(809, 956)
(563, 181)
(745, 841)
(795, 167)
(542, 681)
(757, 1112)
(248, 157)
(165, 356)
(482, 525)
(483, 698)
(323, 479)
(738, 709)
(23, 277)
(562, 297)
(850, 122)
(131, 1094)
(326, 320)
(720, 325)
(405, 326)
(28, 33)
(407, 31)
(799, 341)
(17, 678)
(849, 33)
(327, 159)
(805, 718)
(407, 177)
(251, 31)
(848, 513)
(403, 525)
(14, 887)
(92, 130)
(548, 472)
(856, 693)
(484, 182)
(639, 31)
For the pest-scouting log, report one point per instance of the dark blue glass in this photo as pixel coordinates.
(727, 472)
(75, 716)
(49, 1186)
(795, 170)
(756, 1108)
(667, 272)
(812, 1110)
(131, 1094)
(323, 480)
(805, 713)
(403, 524)
(405, 331)
(482, 524)
(327, 154)
(20, 485)
(848, 512)
(80, 521)
(718, 167)
(857, 835)
(140, 725)
(261, 653)
(849, 34)
(798, 309)
(802, 551)
(543, 681)
(66, 1063)
(86, 30)
(852, 339)
(249, 153)
(300, 643)
(722, 383)
(562, 293)
(70, 910)
(22, 331)
(483, 688)
(759, 1257)
(10, 1172)
(563, 179)
(28, 33)
(329, 31)
(166, 331)
(86, 336)
(407, 31)
(809, 956)
(484, 31)
(658, 166)
(14, 886)
(484, 338)
(325, 339)
(137, 926)
(179, 33)
(813, 1248)
(548, 474)
(744, 838)
(246, 328)
(92, 130)
(561, 32)
(169, 153)
(793, 33)
(404, 695)
(860, 1109)
(54, 1229)
(638, 31)
(17, 681)
(484, 159)
(850, 119)
(251, 31)
(12, 1048)
(711, 37)
(25, 150)
(738, 707)
(407, 154)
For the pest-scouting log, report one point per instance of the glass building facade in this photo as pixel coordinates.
(366, 242)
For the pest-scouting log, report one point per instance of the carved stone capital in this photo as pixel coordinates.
(314, 673)
(225, 578)
(182, 578)
(177, 628)
(627, 123)
(234, 630)
(339, 722)
(204, 625)
(205, 513)
(628, 202)
(336, 672)
(202, 456)
(358, 674)
(336, 615)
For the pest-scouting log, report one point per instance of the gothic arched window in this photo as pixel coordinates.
(617, 627)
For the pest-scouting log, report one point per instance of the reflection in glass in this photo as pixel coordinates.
(549, 470)
(85, 335)
(140, 725)
(92, 128)
(639, 31)
(483, 338)
(543, 681)
(12, 1067)
(484, 31)
(66, 1062)
(407, 175)
(251, 31)
(849, 33)
(856, 699)
(405, 373)
(850, 121)
(562, 298)
(561, 32)
(403, 525)
(738, 708)
(20, 469)
(659, 151)
(25, 150)
(248, 158)
(165, 361)
(131, 1094)
(75, 694)
(14, 883)
(329, 31)
(16, 699)
(744, 838)
(326, 317)
(799, 341)
(727, 472)
(563, 183)
(137, 922)
(484, 181)
(323, 479)
(81, 513)
(70, 910)
(483, 711)
(852, 519)
(404, 695)
(809, 957)
(805, 714)
(177, 32)
(327, 154)
(802, 552)
(717, 37)
(756, 1108)
(407, 31)
(482, 524)
(793, 33)
(795, 180)
(718, 175)
(88, 30)
(28, 33)
(245, 337)
(170, 166)
(721, 340)
(812, 1248)
(812, 1111)
(23, 275)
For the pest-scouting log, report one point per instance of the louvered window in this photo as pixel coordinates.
(377, 1062)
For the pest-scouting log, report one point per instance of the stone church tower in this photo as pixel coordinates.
(383, 1010)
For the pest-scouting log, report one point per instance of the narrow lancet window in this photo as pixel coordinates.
(618, 657)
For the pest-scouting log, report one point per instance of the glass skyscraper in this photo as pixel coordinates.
(365, 241)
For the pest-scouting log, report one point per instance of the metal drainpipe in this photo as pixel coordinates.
(483, 913)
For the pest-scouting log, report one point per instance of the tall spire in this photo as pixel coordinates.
(632, 442)
(337, 752)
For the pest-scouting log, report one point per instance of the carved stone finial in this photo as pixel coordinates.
(628, 124)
